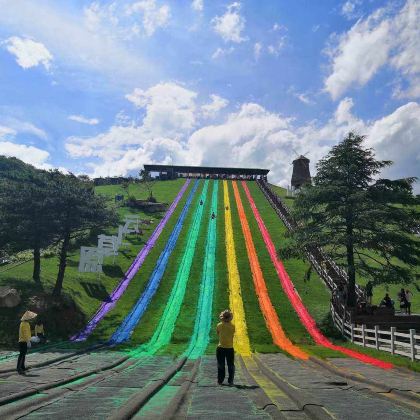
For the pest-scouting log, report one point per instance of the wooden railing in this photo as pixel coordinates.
(389, 340)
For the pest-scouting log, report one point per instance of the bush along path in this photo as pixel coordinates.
(270, 315)
(164, 330)
(125, 329)
(241, 339)
(203, 318)
(131, 272)
(294, 298)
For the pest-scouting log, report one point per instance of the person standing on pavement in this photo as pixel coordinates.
(225, 352)
(24, 340)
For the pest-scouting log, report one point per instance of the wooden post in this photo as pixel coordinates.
(377, 337)
(352, 333)
(343, 319)
(363, 335)
(412, 345)
(392, 340)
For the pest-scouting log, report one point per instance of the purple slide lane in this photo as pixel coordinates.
(131, 272)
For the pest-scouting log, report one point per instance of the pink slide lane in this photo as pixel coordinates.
(305, 317)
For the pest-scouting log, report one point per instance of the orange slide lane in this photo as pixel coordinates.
(270, 314)
(294, 298)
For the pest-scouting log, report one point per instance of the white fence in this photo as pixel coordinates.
(392, 341)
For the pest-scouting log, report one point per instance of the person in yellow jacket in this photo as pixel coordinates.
(24, 340)
(225, 331)
(40, 331)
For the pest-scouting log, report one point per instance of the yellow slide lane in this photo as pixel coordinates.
(241, 339)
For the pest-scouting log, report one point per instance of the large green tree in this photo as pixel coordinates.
(78, 211)
(26, 220)
(365, 223)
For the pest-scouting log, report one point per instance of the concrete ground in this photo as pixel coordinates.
(257, 394)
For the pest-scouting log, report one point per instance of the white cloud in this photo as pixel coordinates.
(73, 44)
(349, 9)
(211, 109)
(29, 154)
(250, 136)
(83, 120)
(222, 52)
(5, 132)
(257, 50)
(29, 53)
(170, 108)
(197, 5)
(371, 43)
(303, 97)
(275, 48)
(19, 126)
(230, 25)
(154, 17)
(396, 137)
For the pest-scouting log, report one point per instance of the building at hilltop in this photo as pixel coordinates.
(179, 171)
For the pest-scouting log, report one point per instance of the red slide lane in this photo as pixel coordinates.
(294, 298)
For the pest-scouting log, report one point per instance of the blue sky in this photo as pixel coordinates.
(102, 87)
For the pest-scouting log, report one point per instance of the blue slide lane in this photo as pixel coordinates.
(123, 332)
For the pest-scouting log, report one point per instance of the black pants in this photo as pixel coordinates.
(23, 349)
(221, 355)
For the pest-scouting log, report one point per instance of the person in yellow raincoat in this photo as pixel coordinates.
(24, 340)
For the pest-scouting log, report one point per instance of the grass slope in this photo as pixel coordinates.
(87, 290)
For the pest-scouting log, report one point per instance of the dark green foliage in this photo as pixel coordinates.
(77, 210)
(365, 224)
(42, 208)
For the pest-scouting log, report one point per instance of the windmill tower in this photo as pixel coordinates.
(301, 174)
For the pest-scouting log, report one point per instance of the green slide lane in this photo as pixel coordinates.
(200, 337)
(164, 330)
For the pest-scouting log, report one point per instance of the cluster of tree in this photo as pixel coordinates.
(113, 180)
(365, 223)
(41, 208)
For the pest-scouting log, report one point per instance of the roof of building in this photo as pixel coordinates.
(206, 170)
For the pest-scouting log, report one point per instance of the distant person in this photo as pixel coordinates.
(403, 300)
(408, 298)
(40, 332)
(225, 331)
(227, 208)
(24, 340)
(369, 292)
(213, 216)
(387, 301)
(201, 202)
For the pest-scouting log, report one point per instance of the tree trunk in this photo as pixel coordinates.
(62, 265)
(37, 265)
(351, 271)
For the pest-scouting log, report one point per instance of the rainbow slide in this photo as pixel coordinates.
(241, 339)
(270, 315)
(294, 298)
(165, 328)
(125, 329)
(200, 337)
(131, 272)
